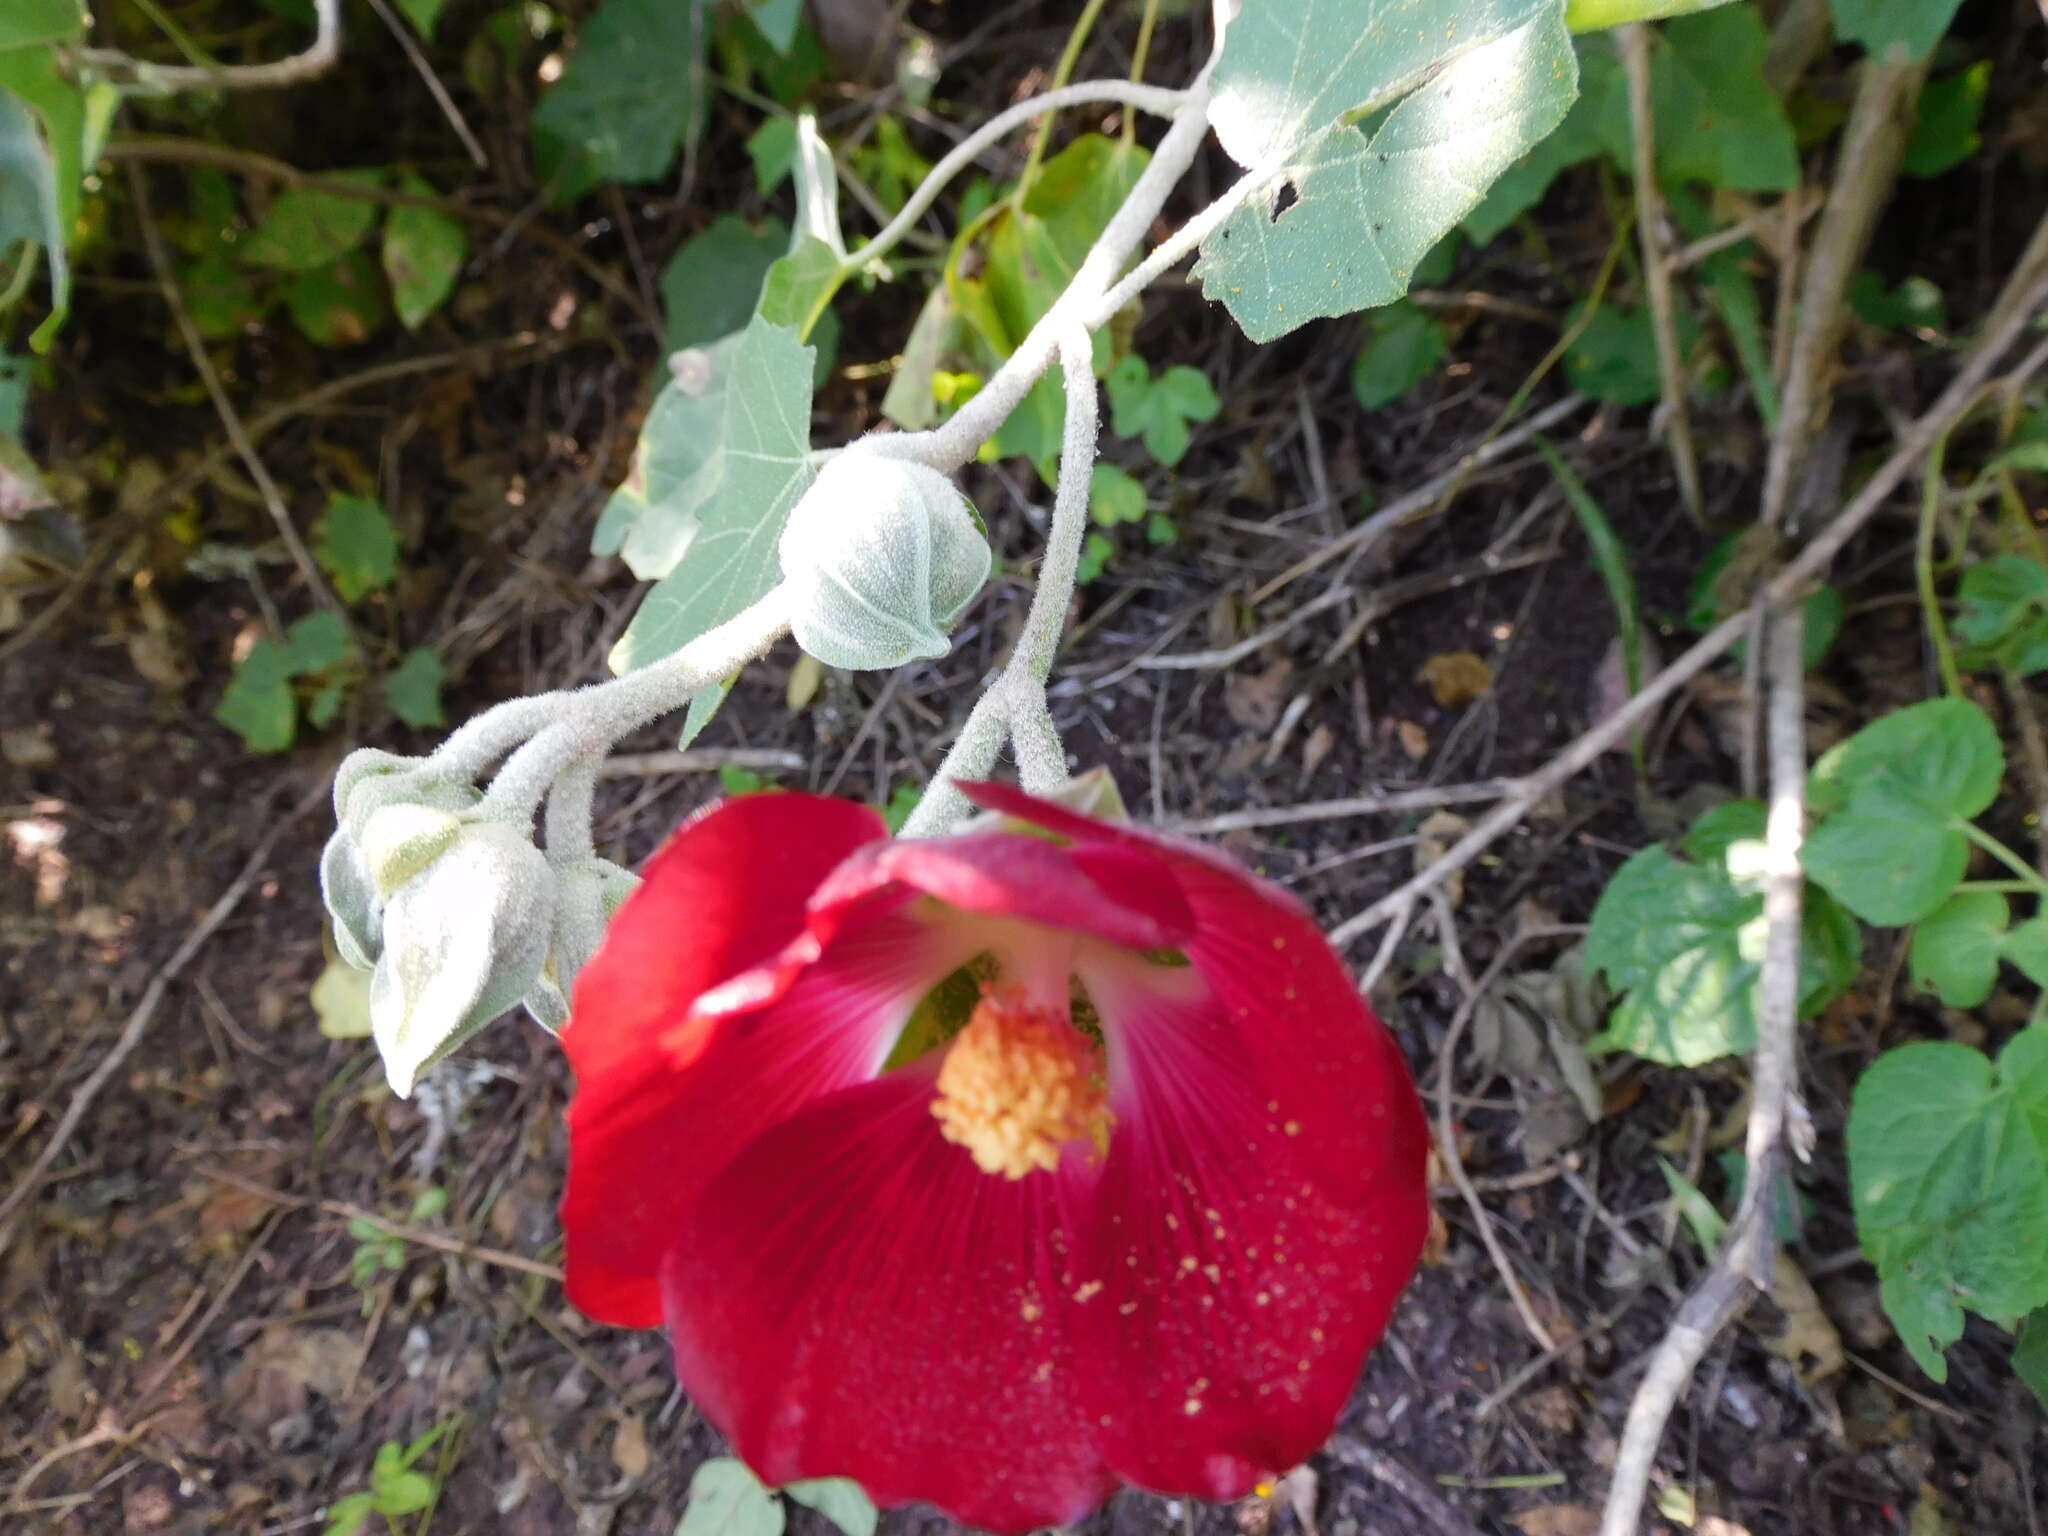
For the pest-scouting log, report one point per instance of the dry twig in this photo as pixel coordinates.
(1634, 40)
(1743, 1267)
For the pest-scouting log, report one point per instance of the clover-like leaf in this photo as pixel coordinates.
(1948, 1166)
(1366, 209)
(723, 458)
(357, 546)
(1892, 800)
(1956, 947)
(1159, 409)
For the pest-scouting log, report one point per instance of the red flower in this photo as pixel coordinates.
(1138, 1218)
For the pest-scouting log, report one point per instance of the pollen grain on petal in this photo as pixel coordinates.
(1018, 1084)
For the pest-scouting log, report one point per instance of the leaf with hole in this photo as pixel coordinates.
(1403, 346)
(1891, 803)
(1366, 209)
(723, 458)
(1948, 1167)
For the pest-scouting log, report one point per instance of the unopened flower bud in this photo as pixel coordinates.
(463, 941)
(370, 782)
(881, 555)
(586, 897)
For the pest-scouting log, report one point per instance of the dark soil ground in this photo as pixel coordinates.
(187, 1342)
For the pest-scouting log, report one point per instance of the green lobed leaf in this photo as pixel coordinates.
(258, 705)
(1912, 27)
(25, 23)
(307, 228)
(424, 250)
(726, 1499)
(1716, 119)
(1684, 942)
(2026, 946)
(1948, 1167)
(1956, 947)
(1403, 346)
(357, 546)
(2003, 613)
(1366, 210)
(839, 1499)
(723, 458)
(1596, 122)
(1159, 409)
(1891, 800)
(1615, 357)
(414, 688)
(1114, 497)
(709, 286)
(316, 642)
(629, 98)
(1945, 132)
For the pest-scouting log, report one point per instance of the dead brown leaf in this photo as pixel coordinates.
(1413, 738)
(1433, 839)
(629, 1446)
(1254, 699)
(1322, 741)
(1456, 677)
(1558, 1520)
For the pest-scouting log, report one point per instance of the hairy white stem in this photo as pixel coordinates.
(952, 443)
(972, 754)
(569, 812)
(1158, 100)
(166, 78)
(588, 720)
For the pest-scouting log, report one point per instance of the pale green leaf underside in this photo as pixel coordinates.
(1366, 210)
(714, 479)
(1292, 69)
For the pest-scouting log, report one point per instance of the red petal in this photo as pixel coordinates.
(856, 1299)
(1245, 1261)
(1122, 894)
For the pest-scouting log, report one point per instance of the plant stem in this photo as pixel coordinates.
(1146, 98)
(1062, 72)
(1923, 569)
(971, 756)
(1140, 52)
(2004, 855)
(588, 720)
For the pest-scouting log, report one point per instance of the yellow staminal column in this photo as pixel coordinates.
(1018, 1083)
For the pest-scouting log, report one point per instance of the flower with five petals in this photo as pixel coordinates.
(991, 1170)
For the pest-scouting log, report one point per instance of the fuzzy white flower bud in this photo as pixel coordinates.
(881, 554)
(370, 782)
(464, 940)
(587, 896)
